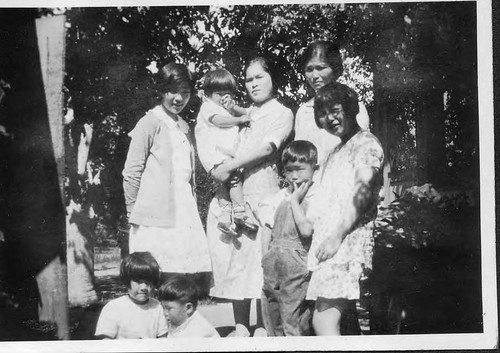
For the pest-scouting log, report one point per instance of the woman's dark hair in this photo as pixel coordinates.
(139, 266)
(326, 51)
(336, 93)
(300, 151)
(179, 289)
(269, 66)
(171, 76)
(219, 80)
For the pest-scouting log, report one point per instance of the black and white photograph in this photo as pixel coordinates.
(343, 184)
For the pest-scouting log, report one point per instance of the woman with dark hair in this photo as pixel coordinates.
(344, 209)
(322, 64)
(157, 181)
(236, 261)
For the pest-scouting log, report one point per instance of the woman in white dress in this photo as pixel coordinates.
(157, 182)
(237, 261)
(322, 64)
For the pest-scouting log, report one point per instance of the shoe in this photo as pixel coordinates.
(260, 332)
(245, 223)
(239, 331)
(227, 228)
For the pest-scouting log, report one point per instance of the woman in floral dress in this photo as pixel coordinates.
(342, 244)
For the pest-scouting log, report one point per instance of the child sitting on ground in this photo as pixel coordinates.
(286, 278)
(179, 298)
(136, 314)
(216, 132)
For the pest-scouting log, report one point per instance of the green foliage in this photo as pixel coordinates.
(392, 51)
(422, 217)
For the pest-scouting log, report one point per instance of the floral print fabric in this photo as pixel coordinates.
(338, 277)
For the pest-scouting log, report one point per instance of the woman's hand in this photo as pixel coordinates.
(328, 248)
(221, 172)
(299, 192)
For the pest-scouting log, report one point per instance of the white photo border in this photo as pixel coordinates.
(470, 341)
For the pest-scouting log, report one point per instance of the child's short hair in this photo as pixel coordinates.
(179, 289)
(219, 80)
(300, 151)
(171, 76)
(336, 93)
(140, 266)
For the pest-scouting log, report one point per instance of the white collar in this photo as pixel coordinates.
(258, 109)
(171, 123)
(185, 324)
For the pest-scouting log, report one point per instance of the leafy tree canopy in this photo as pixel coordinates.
(394, 52)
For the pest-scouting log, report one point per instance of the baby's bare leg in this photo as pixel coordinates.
(225, 204)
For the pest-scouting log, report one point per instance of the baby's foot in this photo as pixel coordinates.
(227, 228)
(245, 222)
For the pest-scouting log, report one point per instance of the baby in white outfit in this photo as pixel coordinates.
(217, 136)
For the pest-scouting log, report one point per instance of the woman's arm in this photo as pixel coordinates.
(275, 135)
(140, 145)
(223, 171)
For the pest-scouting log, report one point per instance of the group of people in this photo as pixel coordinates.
(299, 251)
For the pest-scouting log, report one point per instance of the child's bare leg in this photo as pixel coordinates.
(240, 217)
(225, 205)
(326, 318)
(236, 198)
(225, 223)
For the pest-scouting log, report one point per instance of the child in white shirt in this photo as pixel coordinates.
(216, 132)
(179, 298)
(136, 314)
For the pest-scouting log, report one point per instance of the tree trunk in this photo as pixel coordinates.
(53, 307)
(80, 222)
(52, 279)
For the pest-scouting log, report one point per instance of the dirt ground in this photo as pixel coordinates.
(417, 291)
(106, 269)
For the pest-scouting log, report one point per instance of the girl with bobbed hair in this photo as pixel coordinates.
(157, 181)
